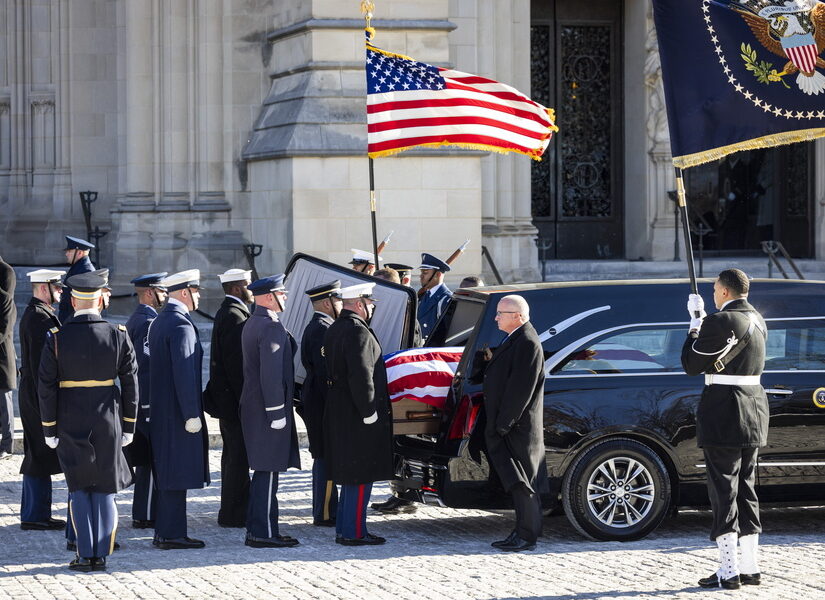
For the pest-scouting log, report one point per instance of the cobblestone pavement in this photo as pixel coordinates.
(433, 554)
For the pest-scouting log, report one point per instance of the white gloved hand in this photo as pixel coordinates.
(192, 425)
(371, 419)
(279, 424)
(695, 324)
(52, 442)
(695, 304)
(126, 439)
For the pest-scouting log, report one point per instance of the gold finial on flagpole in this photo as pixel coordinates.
(368, 9)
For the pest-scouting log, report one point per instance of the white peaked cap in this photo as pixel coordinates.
(364, 256)
(177, 281)
(45, 275)
(361, 290)
(235, 275)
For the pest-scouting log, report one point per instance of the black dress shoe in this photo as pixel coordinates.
(276, 541)
(752, 579)
(517, 545)
(42, 525)
(184, 543)
(72, 546)
(394, 506)
(715, 581)
(84, 565)
(99, 564)
(143, 524)
(324, 523)
(367, 540)
(508, 540)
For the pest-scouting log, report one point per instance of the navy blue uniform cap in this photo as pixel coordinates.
(149, 280)
(428, 261)
(266, 285)
(73, 243)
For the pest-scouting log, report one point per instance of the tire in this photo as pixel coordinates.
(605, 515)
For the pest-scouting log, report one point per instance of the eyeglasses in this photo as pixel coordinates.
(507, 312)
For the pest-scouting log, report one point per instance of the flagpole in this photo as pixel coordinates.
(681, 197)
(372, 215)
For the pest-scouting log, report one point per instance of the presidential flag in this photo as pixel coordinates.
(411, 103)
(741, 74)
(422, 374)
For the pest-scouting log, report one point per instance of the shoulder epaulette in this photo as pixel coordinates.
(54, 329)
(122, 327)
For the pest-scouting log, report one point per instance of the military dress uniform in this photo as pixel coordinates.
(39, 461)
(139, 452)
(8, 360)
(732, 417)
(266, 415)
(179, 457)
(89, 419)
(433, 302)
(222, 398)
(357, 418)
(83, 265)
(313, 396)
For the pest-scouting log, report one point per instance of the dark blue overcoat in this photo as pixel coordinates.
(138, 452)
(269, 379)
(65, 310)
(180, 458)
(431, 306)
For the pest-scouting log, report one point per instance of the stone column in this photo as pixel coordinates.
(62, 187)
(18, 179)
(175, 101)
(140, 105)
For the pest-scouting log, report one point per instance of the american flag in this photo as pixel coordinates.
(423, 374)
(411, 103)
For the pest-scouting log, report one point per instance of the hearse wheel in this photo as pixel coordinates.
(618, 490)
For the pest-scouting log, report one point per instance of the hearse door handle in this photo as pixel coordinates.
(778, 391)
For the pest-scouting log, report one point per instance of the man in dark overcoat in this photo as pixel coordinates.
(223, 394)
(8, 360)
(266, 410)
(514, 433)
(731, 420)
(151, 296)
(39, 461)
(77, 256)
(434, 295)
(87, 418)
(177, 427)
(326, 302)
(357, 419)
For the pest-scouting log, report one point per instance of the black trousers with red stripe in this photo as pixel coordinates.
(351, 520)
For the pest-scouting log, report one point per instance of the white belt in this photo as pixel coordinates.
(732, 380)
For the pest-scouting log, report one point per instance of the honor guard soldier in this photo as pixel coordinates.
(8, 360)
(357, 419)
(177, 428)
(363, 262)
(77, 255)
(223, 394)
(435, 296)
(326, 302)
(87, 418)
(151, 296)
(39, 461)
(266, 410)
(404, 272)
(731, 420)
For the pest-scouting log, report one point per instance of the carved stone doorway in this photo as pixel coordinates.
(576, 68)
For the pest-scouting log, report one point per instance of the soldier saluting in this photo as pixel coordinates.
(39, 461)
(731, 420)
(87, 418)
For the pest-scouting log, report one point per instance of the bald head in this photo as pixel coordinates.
(512, 312)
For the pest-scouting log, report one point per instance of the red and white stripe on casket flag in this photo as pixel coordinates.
(422, 374)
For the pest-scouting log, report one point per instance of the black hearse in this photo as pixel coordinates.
(619, 411)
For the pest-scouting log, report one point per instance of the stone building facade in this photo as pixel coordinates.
(205, 125)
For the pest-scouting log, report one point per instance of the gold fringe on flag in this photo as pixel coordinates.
(768, 141)
(535, 154)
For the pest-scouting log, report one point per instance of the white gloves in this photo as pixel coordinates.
(52, 442)
(695, 304)
(192, 425)
(695, 324)
(126, 439)
(371, 419)
(279, 424)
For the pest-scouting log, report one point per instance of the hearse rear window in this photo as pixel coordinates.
(463, 316)
(795, 346)
(643, 350)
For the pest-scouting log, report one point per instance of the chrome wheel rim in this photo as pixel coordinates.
(620, 492)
